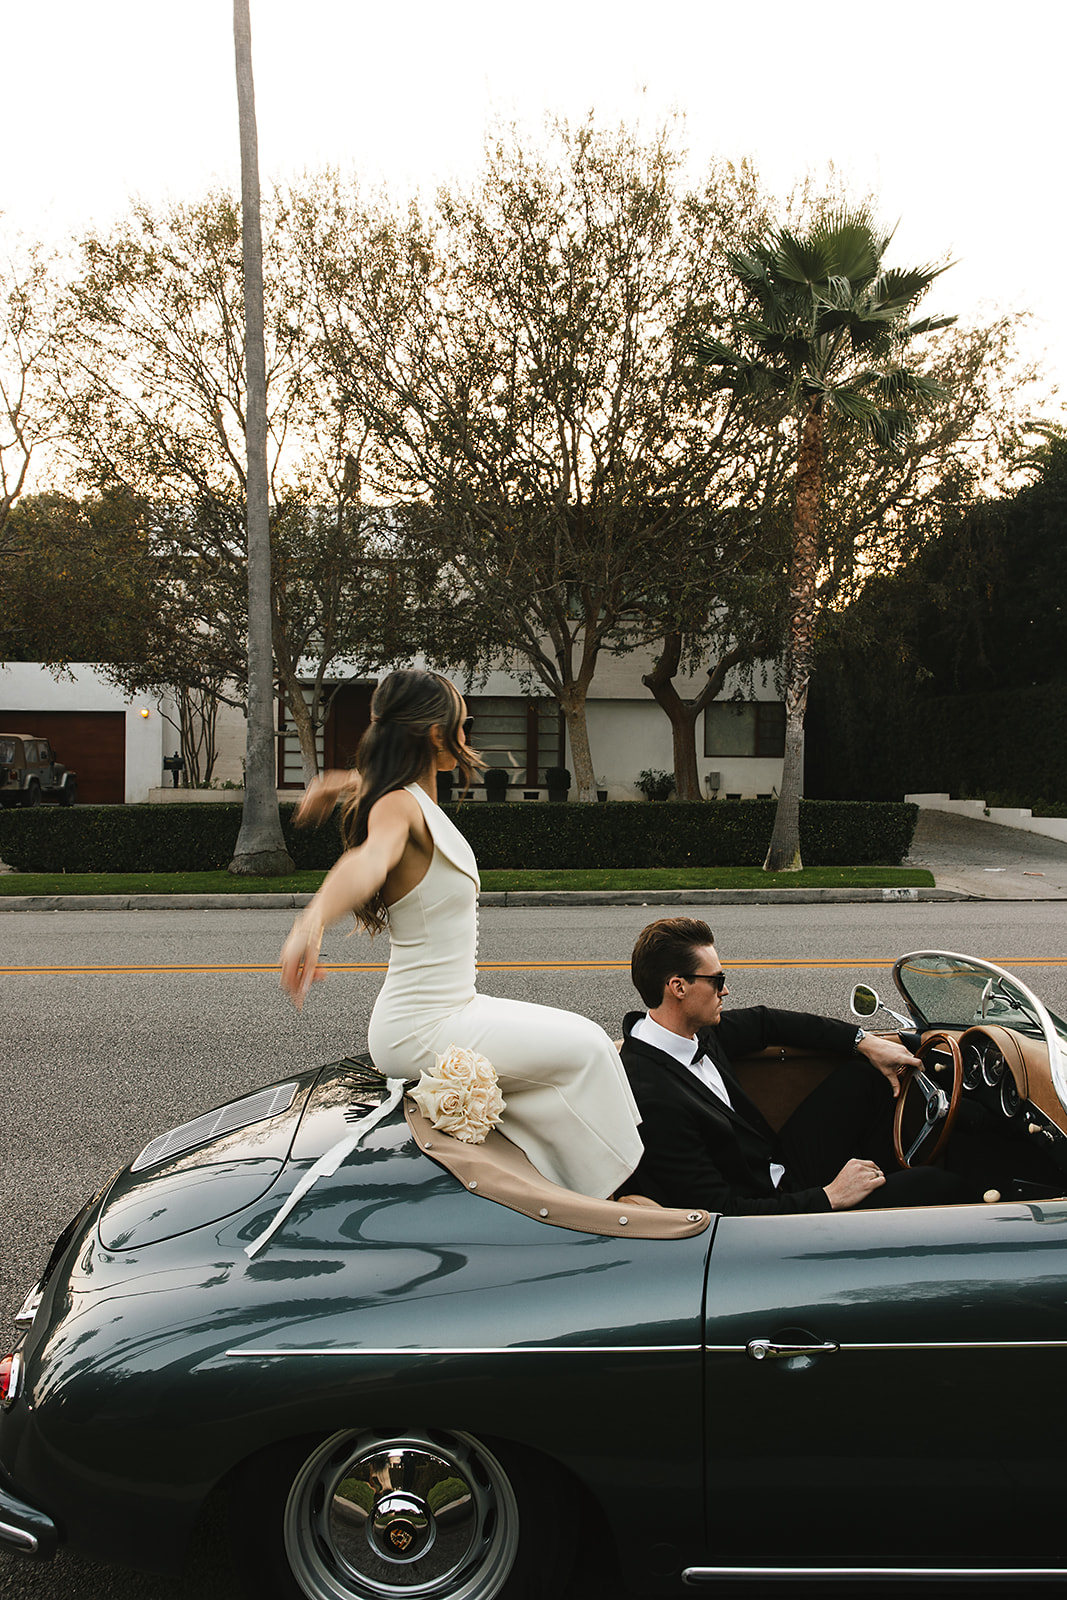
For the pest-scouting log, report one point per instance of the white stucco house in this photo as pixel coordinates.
(117, 745)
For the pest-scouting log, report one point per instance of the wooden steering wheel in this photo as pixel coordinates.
(924, 1112)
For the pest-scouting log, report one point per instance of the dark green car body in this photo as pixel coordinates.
(875, 1390)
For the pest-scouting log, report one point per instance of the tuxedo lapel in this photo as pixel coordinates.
(742, 1110)
(746, 1109)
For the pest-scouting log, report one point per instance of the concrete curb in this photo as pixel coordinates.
(153, 902)
(515, 898)
(714, 897)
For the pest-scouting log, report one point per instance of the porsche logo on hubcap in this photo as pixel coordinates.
(400, 1538)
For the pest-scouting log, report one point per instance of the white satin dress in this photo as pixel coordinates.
(569, 1105)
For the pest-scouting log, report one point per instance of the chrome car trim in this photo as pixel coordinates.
(910, 1344)
(30, 1306)
(19, 1537)
(230, 1118)
(480, 1350)
(767, 1350)
(627, 1349)
(700, 1575)
(14, 1382)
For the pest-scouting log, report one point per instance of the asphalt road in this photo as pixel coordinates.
(94, 1063)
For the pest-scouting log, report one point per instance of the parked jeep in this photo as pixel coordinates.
(30, 773)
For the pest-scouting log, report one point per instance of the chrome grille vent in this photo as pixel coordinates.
(227, 1119)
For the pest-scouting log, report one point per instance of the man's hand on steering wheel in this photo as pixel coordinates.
(888, 1056)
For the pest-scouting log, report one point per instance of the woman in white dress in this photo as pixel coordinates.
(409, 869)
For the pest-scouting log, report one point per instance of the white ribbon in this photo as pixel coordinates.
(327, 1164)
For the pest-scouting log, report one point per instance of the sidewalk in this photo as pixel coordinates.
(969, 858)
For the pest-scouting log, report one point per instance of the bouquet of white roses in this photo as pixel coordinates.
(461, 1096)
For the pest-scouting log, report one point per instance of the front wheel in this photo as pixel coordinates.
(368, 1515)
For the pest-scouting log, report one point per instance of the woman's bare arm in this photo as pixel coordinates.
(352, 882)
(323, 793)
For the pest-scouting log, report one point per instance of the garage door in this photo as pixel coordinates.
(91, 743)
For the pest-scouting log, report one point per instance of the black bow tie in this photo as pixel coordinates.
(699, 1056)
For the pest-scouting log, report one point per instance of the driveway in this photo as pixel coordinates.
(988, 861)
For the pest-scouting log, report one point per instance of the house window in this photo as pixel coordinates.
(523, 736)
(744, 728)
(290, 761)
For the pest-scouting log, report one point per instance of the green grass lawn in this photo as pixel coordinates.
(125, 883)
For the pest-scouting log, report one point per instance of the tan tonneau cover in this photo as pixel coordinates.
(498, 1170)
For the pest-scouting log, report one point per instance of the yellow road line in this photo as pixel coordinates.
(763, 963)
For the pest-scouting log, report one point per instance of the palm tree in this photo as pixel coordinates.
(260, 848)
(822, 333)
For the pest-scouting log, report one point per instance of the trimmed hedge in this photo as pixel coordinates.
(199, 838)
(721, 833)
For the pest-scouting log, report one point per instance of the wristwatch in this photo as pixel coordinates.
(858, 1040)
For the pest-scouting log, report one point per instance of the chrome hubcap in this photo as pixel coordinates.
(376, 1518)
(401, 1527)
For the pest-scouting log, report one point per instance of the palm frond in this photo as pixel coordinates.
(855, 407)
(751, 269)
(713, 353)
(806, 261)
(849, 239)
(926, 325)
(899, 287)
(891, 426)
(873, 334)
(899, 382)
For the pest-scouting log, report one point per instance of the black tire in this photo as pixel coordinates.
(68, 795)
(500, 1534)
(31, 795)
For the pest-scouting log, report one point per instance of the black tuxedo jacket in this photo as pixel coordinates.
(699, 1151)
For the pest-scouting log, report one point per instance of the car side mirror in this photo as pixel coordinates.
(987, 995)
(864, 1002)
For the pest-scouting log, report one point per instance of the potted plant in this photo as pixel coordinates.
(496, 783)
(558, 780)
(655, 785)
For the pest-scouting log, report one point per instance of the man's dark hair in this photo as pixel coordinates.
(663, 949)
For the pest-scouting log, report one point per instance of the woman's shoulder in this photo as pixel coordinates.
(394, 806)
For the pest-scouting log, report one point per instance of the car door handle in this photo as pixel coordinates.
(769, 1350)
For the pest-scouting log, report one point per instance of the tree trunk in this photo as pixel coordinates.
(783, 854)
(683, 714)
(260, 848)
(573, 702)
(198, 710)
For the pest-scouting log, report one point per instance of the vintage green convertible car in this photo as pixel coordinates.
(417, 1371)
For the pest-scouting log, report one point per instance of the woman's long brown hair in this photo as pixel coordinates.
(396, 750)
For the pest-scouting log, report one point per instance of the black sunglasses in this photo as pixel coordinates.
(717, 978)
(468, 726)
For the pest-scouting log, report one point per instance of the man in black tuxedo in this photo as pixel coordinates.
(707, 1144)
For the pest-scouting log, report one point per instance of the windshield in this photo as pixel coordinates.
(945, 990)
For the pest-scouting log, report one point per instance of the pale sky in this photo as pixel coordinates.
(950, 111)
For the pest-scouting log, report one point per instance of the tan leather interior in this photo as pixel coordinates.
(778, 1080)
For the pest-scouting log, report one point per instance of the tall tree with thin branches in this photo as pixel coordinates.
(260, 848)
(826, 327)
(27, 315)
